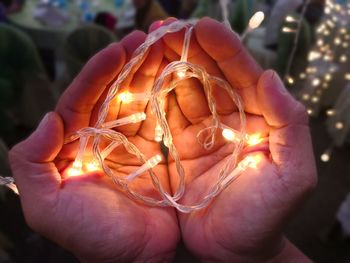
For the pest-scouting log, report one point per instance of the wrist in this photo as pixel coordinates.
(284, 252)
(288, 254)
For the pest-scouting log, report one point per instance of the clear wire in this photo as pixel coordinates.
(230, 170)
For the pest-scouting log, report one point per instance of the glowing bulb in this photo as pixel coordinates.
(288, 30)
(302, 76)
(347, 76)
(343, 58)
(291, 19)
(127, 97)
(316, 82)
(92, 166)
(328, 77)
(256, 20)
(72, 172)
(330, 112)
(229, 134)
(310, 111)
(254, 139)
(325, 157)
(155, 160)
(337, 41)
(247, 162)
(306, 96)
(339, 125)
(181, 74)
(134, 118)
(290, 80)
(158, 133)
(314, 99)
(313, 55)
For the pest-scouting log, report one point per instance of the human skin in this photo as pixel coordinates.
(245, 223)
(89, 216)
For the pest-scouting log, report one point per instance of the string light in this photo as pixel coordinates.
(339, 125)
(90, 155)
(128, 97)
(254, 22)
(151, 163)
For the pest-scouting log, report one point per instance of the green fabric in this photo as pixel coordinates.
(82, 44)
(286, 43)
(18, 60)
(239, 15)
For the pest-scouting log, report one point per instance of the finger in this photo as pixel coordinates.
(199, 57)
(290, 141)
(130, 43)
(142, 82)
(77, 102)
(147, 129)
(155, 25)
(237, 65)
(32, 160)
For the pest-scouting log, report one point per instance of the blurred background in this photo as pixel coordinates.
(45, 43)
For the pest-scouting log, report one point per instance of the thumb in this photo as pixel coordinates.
(289, 140)
(32, 160)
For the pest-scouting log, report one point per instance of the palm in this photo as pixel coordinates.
(106, 218)
(92, 216)
(247, 217)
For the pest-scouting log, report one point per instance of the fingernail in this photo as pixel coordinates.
(281, 87)
(44, 121)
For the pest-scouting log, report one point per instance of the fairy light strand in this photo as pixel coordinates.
(90, 138)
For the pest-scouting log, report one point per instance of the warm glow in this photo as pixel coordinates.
(72, 172)
(339, 125)
(290, 80)
(330, 112)
(181, 74)
(92, 166)
(288, 30)
(325, 157)
(251, 161)
(228, 134)
(125, 97)
(254, 139)
(256, 20)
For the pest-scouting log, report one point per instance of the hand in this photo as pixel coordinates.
(88, 215)
(245, 222)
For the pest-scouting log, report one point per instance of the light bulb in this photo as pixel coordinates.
(256, 20)
(127, 97)
(316, 82)
(254, 139)
(181, 74)
(310, 111)
(134, 118)
(288, 30)
(229, 135)
(290, 80)
(306, 96)
(302, 76)
(154, 161)
(325, 157)
(291, 19)
(158, 133)
(330, 112)
(314, 99)
(343, 58)
(339, 125)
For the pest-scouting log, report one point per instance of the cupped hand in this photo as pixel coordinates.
(245, 222)
(88, 214)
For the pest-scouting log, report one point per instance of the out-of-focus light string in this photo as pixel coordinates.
(296, 38)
